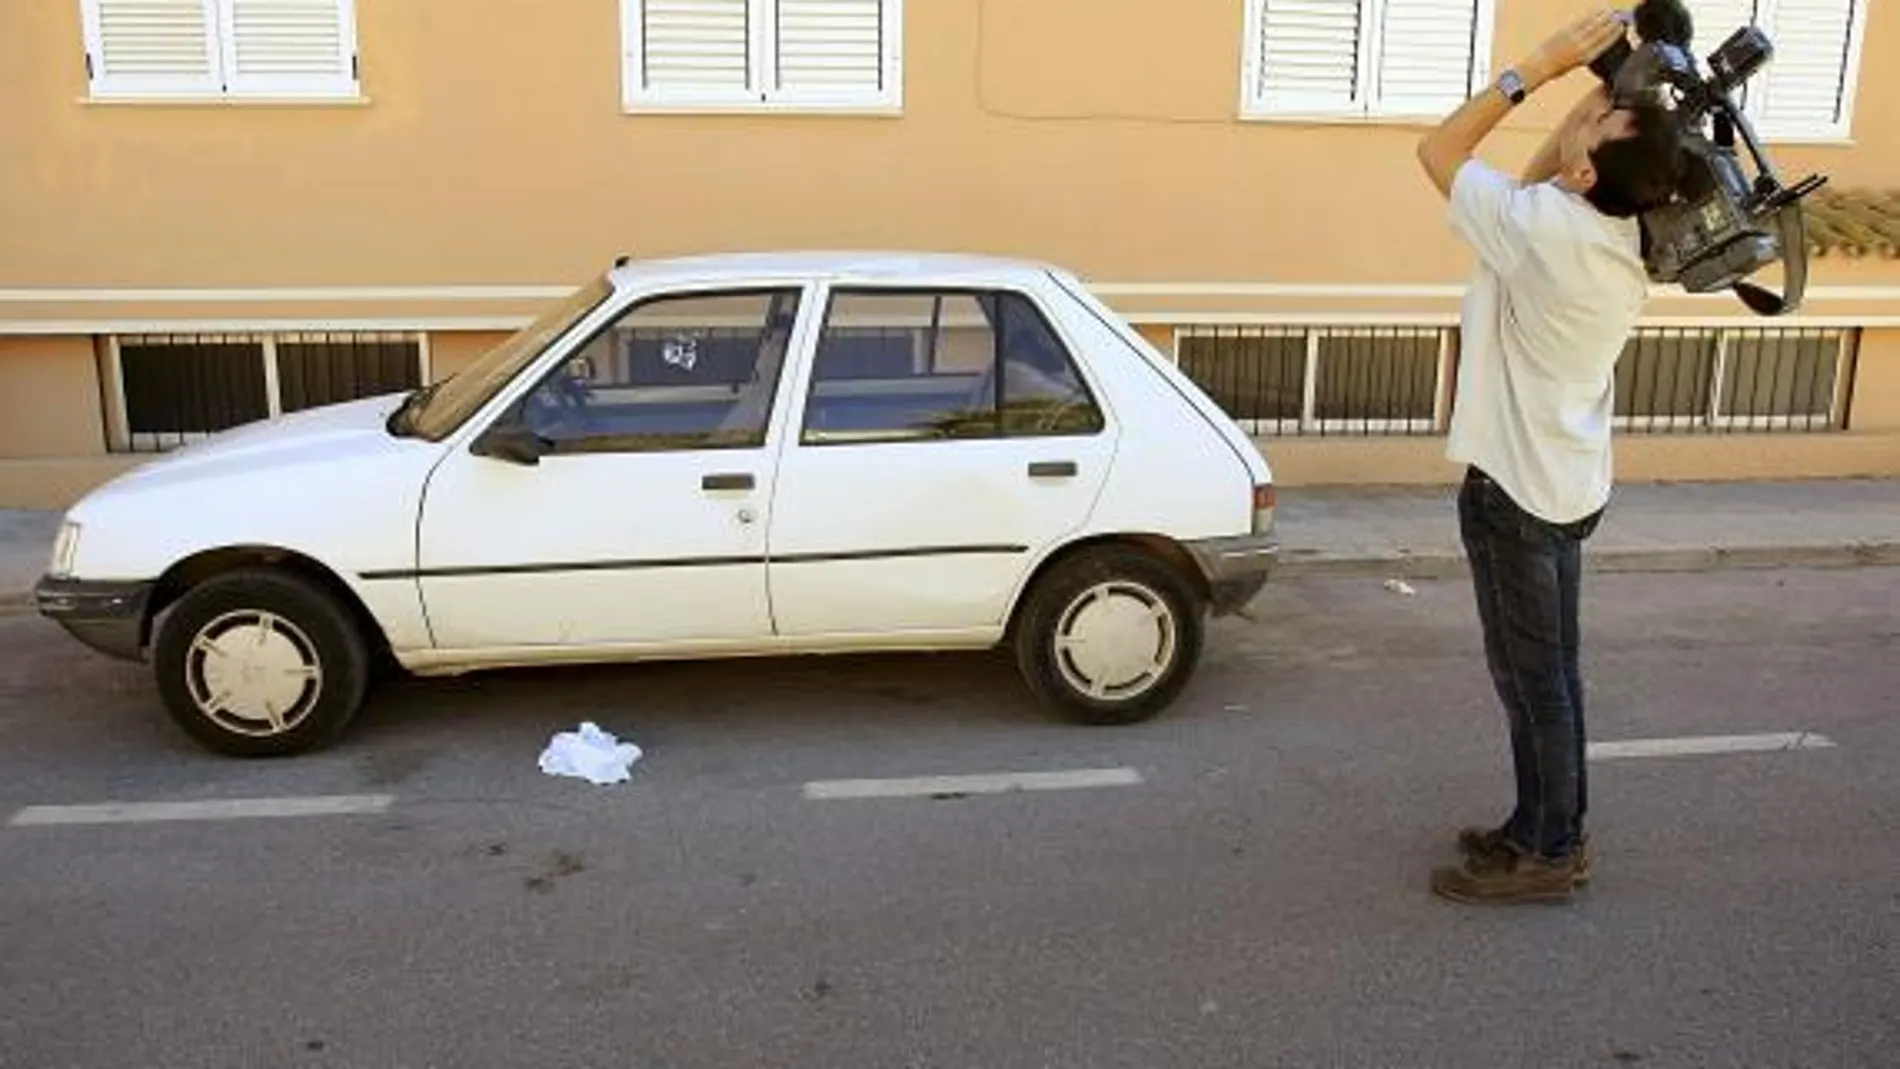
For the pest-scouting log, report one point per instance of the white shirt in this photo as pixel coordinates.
(1557, 292)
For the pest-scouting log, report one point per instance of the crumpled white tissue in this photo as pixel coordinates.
(590, 754)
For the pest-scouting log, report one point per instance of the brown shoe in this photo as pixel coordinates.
(1504, 878)
(1483, 842)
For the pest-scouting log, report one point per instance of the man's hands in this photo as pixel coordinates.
(1573, 46)
(1443, 151)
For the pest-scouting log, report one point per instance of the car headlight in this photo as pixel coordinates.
(65, 548)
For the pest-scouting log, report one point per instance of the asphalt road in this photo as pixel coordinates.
(1258, 898)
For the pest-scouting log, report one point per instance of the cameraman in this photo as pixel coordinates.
(1559, 284)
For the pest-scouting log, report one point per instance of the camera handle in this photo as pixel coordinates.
(1793, 231)
(1791, 225)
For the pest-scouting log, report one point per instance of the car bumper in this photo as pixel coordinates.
(1236, 569)
(107, 615)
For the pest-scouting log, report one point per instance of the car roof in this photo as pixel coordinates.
(870, 265)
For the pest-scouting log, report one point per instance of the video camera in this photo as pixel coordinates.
(1719, 227)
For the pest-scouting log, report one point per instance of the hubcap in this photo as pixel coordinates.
(1115, 641)
(253, 673)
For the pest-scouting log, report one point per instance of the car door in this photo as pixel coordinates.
(642, 519)
(946, 439)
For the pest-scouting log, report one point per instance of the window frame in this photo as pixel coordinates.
(120, 438)
(1766, 15)
(756, 98)
(1308, 423)
(515, 411)
(808, 368)
(1709, 415)
(220, 85)
(1370, 108)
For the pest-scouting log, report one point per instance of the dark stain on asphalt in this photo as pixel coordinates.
(387, 768)
(821, 988)
(747, 879)
(495, 849)
(313, 1045)
(949, 796)
(560, 864)
(1627, 1057)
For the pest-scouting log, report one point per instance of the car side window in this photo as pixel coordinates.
(690, 372)
(910, 365)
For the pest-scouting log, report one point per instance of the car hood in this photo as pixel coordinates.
(323, 435)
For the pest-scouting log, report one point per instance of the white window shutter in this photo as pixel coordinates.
(834, 49)
(1307, 56)
(1427, 59)
(152, 47)
(1715, 21)
(291, 48)
(1805, 88)
(690, 51)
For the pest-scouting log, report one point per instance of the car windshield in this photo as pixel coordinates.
(449, 402)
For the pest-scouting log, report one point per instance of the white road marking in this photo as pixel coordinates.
(986, 783)
(223, 809)
(1708, 744)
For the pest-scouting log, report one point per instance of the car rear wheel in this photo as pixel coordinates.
(1109, 636)
(261, 663)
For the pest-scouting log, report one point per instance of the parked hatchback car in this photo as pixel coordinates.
(720, 456)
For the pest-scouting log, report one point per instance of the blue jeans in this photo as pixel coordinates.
(1525, 572)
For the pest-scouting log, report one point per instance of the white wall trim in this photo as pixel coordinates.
(42, 327)
(1273, 289)
(55, 295)
(296, 294)
(1436, 292)
(67, 327)
(1450, 319)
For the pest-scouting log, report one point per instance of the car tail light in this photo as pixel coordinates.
(1263, 502)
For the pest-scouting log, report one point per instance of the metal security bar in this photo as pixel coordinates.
(1710, 380)
(175, 389)
(1347, 381)
(323, 369)
(168, 390)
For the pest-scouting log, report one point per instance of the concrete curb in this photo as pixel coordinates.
(1449, 565)
(1438, 564)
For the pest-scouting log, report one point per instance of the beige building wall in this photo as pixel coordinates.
(49, 398)
(1877, 382)
(492, 149)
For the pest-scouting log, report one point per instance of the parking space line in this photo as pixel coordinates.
(1700, 745)
(985, 783)
(220, 809)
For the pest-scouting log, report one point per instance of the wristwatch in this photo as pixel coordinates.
(1511, 84)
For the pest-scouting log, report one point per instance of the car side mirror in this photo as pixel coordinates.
(512, 441)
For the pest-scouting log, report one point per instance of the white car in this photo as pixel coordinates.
(734, 455)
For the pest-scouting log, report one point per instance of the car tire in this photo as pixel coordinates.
(1083, 647)
(261, 663)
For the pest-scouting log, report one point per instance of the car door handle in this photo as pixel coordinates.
(1051, 469)
(726, 480)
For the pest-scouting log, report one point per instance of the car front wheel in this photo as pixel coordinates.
(1109, 636)
(261, 663)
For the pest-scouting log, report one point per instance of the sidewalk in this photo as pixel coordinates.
(1412, 532)
(26, 545)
